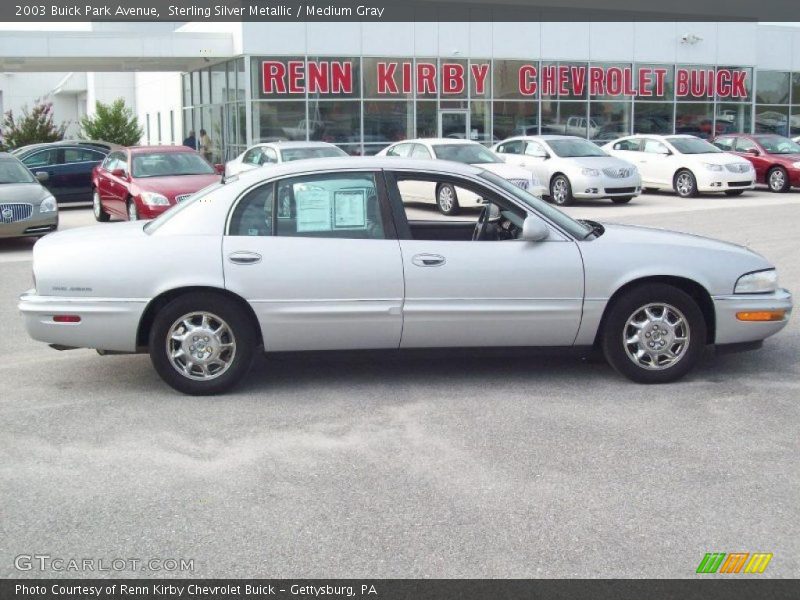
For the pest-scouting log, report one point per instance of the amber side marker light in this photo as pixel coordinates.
(67, 319)
(761, 315)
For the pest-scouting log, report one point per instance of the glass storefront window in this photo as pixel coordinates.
(652, 117)
(334, 121)
(453, 78)
(480, 123)
(205, 87)
(241, 122)
(733, 118)
(219, 85)
(564, 118)
(772, 87)
(387, 121)
(657, 72)
(388, 77)
(511, 75)
(795, 88)
(772, 119)
(195, 88)
(515, 118)
(480, 78)
(186, 89)
(609, 120)
(748, 85)
(273, 121)
(695, 118)
(188, 123)
(425, 79)
(231, 70)
(794, 121)
(427, 119)
(241, 83)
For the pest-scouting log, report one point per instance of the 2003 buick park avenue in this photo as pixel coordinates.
(320, 255)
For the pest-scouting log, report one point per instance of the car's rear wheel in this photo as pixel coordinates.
(561, 191)
(622, 200)
(133, 210)
(100, 215)
(778, 180)
(734, 192)
(447, 200)
(685, 184)
(654, 333)
(202, 344)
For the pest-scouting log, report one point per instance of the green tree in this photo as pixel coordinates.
(113, 123)
(34, 126)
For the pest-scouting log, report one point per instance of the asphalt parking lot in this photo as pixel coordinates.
(374, 466)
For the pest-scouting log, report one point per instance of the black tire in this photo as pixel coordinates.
(132, 210)
(622, 200)
(561, 196)
(734, 192)
(648, 190)
(689, 190)
(778, 180)
(615, 331)
(242, 331)
(100, 215)
(447, 200)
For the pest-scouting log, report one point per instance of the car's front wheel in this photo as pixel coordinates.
(685, 184)
(133, 210)
(202, 344)
(447, 200)
(100, 215)
(654, 333)
(561, 191)
(778, 180)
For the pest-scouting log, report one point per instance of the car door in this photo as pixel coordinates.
(113, 189)
(655, 164)
(75, 172)
(487, 293)
(535, 158)
(46, 161)
(748, 149)
(317, 258)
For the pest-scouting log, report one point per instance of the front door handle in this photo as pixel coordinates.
(244, 258)
(428, 260)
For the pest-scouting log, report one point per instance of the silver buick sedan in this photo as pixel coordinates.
(321, 255)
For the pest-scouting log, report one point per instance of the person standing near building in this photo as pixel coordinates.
(191, 141)
(206, 144)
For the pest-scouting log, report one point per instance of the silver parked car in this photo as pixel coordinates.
(573, 167)
(26, 207)
(321, 255)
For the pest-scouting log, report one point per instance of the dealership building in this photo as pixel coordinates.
(364, 85)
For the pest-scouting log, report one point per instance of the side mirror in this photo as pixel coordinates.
(534, 229)
(42, 176)
(219, 168)
(753, 151)
(118, 172)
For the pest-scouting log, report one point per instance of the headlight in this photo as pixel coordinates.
(712, 167)
(590, 172)
(154, 199)
(48, 205)
(760, 282)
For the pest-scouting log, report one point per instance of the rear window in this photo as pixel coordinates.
(290, 154)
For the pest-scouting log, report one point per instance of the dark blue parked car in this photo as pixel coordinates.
(65, 168)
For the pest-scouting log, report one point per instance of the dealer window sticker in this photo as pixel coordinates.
(313, 208)
(350, 208)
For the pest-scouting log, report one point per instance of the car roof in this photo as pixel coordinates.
(438, 141)
(92, 143)
(355, 163)
(545, 137)
(148, 149)
(295, 144)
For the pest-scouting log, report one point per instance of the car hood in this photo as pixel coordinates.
(29, 193)
(175, 185)
(718, 158)
(505, 171)
(786, 158)
(598, 162)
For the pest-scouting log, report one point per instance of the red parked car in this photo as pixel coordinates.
(775, 158)
(141, 182)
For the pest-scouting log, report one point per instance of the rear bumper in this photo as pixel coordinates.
(106, 323)
(730, 330)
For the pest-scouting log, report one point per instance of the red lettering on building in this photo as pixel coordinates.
(479, 74)
(426, 78)
(273, 77)
(386, 81)
(452, 78)
(318, 77)
(341, 78)
(527, 80)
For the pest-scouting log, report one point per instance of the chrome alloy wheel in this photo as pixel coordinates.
(446, 198)
(201, 346)
(96, 205)
(656, 336)
(133, 214)
(777, 180)
(684, 184)
(560, 190)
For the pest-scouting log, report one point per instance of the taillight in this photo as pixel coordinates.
(66, 318)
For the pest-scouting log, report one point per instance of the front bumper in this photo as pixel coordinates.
(723, 181)
(38, 224)
(605, 187)
(106, 323)
(730, 330)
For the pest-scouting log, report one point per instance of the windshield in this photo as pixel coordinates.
(166, 164)
(575, 148)
(290, 154)
(571, 226)
(690, 145)
(12, 171)
(775, 144)
(469, 154)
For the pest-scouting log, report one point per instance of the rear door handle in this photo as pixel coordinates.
(428, 260)
(244, 258)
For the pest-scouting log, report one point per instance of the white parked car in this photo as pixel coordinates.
(448, 198)
(684, 163)
(321, 255)
(273, 153)
(573, 168)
